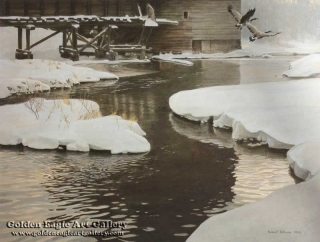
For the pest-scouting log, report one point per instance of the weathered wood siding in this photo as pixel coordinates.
(67, 7)
(208, 23)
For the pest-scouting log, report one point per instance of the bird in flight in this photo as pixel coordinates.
(257, 34)
(241, 20)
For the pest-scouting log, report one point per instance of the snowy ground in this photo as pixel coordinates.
(75, 124)
(28, 76)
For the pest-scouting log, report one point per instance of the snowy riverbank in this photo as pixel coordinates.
(289, 214)
(72, 123)
(29, 76)
(283, 115)
(305, 67)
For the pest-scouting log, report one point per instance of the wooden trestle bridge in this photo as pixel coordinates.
(103, 36)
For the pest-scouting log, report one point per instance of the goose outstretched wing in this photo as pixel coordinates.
(256, 32)
(270, 34)
(245, 18)
(237, 16)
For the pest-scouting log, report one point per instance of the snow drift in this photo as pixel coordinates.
(304, 159)
(28, 76)
(308, 66)
(73, 123)
(282, 114)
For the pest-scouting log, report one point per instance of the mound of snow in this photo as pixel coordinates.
(76, 124)
(27, 76)
(289, 214)
(308, 66)
(304, 159)
(282, 114)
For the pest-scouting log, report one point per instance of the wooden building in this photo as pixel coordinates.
(119, 26)
(204, 26)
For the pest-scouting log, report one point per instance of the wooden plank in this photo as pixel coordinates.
(33, 8)
(16, 7)
(73, 6)
(57, 7)
(25, 8)
(89, 6)
(3, 8)
(42, 7)
(118, 7)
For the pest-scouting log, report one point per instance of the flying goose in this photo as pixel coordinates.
(257, 34)
(242, 20)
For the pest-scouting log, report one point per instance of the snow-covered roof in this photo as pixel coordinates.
(39, 21)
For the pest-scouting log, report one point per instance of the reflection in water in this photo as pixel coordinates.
(192, 172)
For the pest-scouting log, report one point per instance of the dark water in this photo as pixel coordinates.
(192, 172)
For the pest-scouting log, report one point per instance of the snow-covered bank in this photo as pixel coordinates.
(27, 76)
(304, 159)
(76, 124)
(282, 114)
(308, 66)
(289, 214)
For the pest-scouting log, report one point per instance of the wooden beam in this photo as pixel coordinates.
(141, 35)
(44, 39)
(93, 40)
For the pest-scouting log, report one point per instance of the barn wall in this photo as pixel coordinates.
(37, 8)
(208, 27)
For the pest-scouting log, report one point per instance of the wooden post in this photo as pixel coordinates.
(57, 7)
(142, 34)
(64, 38)
(109, 38)
(27, 39)
(20, 38)
(75, 54)
(74, 38)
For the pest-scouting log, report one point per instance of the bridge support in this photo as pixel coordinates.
(20, 52)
